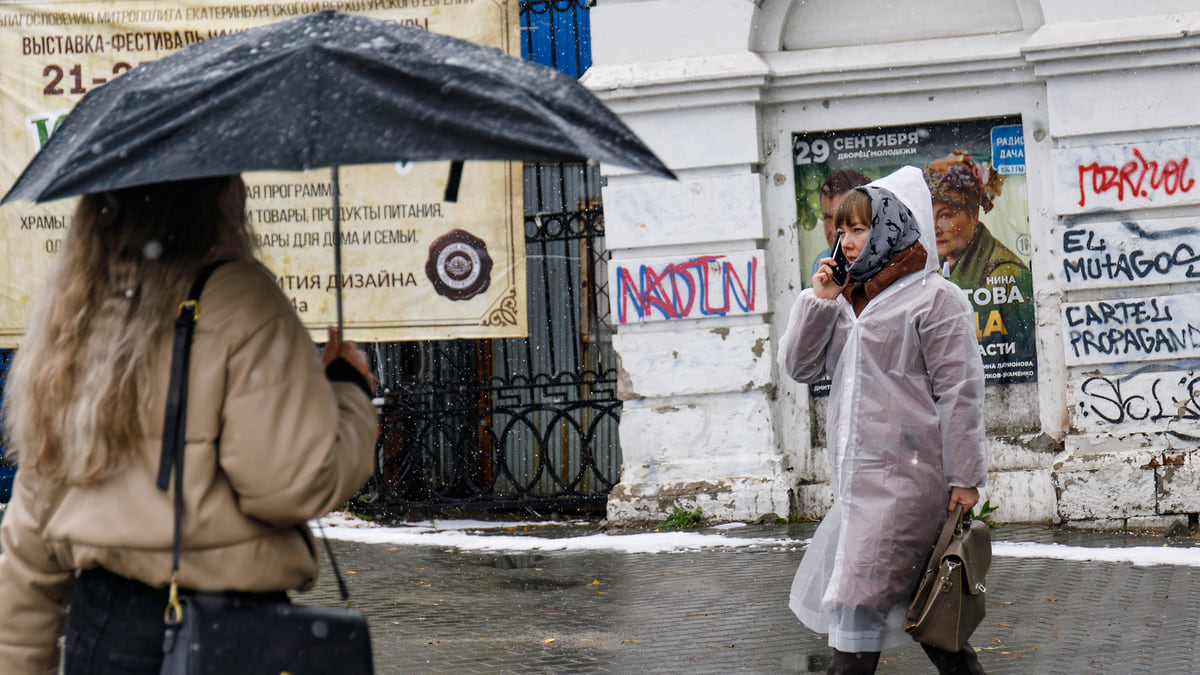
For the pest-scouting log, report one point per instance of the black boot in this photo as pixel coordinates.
(853, 663)
(961, 662)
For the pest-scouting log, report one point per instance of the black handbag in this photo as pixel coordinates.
(229, 633)
(950, 598)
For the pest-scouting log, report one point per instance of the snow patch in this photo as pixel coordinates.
(463, 535)
(1137, 555)
(470, 535)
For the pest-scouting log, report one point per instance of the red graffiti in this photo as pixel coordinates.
(706, 285)
(1137, 178)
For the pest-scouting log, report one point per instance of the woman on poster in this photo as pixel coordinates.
(961, 188)
(904, 427)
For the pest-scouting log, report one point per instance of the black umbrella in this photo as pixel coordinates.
(324, 90)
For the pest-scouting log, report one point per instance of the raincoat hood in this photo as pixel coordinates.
(908, 185)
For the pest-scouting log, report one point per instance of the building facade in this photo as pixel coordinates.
(1083, 108)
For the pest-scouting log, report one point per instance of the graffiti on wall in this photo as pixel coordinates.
(1126, 176)
(1129, 253)
(665, 289)
(1145, 400)
(1130, 330)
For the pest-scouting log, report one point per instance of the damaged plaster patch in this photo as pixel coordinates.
(759, 346)
(1041, 442)
(625, 390)
(723, 332)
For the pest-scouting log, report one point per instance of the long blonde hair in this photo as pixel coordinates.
(77, 392)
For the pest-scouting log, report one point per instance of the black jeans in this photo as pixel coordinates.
(115, 625)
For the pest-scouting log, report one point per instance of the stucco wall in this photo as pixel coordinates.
(718, 87)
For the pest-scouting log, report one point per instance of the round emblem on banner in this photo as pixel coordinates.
(459, 265)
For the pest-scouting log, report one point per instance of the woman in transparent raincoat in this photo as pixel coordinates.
(904, 429)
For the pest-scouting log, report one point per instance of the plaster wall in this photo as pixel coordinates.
(718, 87)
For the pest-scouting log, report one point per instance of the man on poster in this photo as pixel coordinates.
(833, 190)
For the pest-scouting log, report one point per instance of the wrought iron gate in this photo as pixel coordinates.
(516, 423)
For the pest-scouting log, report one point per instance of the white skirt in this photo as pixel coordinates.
(850, 630)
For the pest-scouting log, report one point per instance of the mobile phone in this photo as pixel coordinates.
(840, 264)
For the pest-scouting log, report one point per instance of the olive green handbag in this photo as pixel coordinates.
(949, 603)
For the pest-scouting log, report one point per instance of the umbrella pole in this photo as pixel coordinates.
(337, 247)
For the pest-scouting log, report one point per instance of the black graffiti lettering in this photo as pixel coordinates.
(1129, 266)
(1107, 392)
(1105, 398)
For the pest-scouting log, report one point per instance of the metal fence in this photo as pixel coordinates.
(526, 423)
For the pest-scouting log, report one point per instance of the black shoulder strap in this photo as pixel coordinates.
(175, 425)
(175, 422)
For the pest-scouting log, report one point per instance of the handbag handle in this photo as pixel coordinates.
(959, 517)
(174, 432)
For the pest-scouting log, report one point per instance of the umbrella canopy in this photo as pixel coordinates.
(323, 90)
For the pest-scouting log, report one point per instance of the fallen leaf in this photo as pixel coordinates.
(547, 641)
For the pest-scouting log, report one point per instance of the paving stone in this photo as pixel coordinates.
(725, 611)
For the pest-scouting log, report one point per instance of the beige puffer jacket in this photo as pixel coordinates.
(271, 443)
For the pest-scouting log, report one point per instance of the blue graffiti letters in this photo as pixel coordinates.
(708, 285)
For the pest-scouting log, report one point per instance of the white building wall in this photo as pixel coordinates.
(718, 87)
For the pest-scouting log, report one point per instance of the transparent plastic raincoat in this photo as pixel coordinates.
(904, 425)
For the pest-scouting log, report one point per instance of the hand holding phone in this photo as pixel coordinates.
(841, 266)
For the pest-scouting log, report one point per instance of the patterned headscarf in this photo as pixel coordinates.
(893, 229)
(958, 173)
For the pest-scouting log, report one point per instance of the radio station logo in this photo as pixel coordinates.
(459, 265)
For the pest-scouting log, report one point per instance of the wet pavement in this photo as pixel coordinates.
(436, 610)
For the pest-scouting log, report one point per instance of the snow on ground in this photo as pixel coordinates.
(472, 535)
(1138, 555)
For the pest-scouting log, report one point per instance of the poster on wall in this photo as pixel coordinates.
(976, 173)
(414, 266)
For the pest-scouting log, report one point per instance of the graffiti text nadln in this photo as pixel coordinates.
(703, 286)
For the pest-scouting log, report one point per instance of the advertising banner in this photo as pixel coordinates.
(976, 172)
(414, 266)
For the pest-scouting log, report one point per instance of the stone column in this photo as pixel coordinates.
(687, 276)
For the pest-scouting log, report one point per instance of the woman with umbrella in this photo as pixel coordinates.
(904, 426)
(276, 434)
